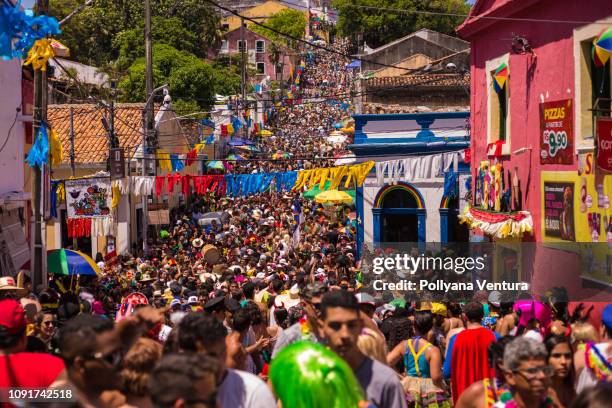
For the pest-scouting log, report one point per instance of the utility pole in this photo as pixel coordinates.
(243, 80)
(72, 167)
(40, 115)
(148, 128)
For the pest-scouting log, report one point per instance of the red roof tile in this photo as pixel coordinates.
(90, 137)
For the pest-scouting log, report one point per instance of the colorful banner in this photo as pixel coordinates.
(557, 132)
(88, 198)
(604, 144)
(559, 210)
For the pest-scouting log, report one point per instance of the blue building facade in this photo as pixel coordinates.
(404, 199)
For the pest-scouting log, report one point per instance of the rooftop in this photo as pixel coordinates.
(424, 80)
(90, 137)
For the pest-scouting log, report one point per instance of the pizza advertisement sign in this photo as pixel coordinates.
(557, 132)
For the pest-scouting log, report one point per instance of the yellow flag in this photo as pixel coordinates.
(56, 153)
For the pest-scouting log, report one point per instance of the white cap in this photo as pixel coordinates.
(192, 299)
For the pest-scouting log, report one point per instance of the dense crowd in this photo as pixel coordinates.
(259, 302)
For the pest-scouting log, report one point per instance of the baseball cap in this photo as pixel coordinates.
(192, 299)
(12, 316)
(606, 316)
(438, 308)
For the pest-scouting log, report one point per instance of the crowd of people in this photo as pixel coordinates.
(264, 306)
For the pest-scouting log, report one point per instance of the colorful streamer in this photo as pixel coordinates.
(39, 54)
(23, 26)
(38, 154)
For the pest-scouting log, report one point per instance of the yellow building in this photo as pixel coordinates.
(266, 9)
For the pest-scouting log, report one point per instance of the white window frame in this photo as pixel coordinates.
(224, 45)
(264, 67)
(492, 65)
(246, 45)
(584, 133)
(263, 46)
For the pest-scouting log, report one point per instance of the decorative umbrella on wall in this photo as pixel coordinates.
(500, 76)
(69, 262)
(602, 48)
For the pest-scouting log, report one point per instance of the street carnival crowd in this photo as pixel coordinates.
(282, 317)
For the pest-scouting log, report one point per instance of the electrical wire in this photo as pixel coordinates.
(312, 44)
(17, 110)
(476, 17)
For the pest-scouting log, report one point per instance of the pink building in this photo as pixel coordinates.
(258, 53)
(533, 90)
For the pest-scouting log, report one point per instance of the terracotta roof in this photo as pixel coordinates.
(90, 137)
(429, 80)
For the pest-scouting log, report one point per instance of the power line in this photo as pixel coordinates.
(312, 44)
(447, 14)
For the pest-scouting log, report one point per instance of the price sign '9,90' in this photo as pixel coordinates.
(557, 132)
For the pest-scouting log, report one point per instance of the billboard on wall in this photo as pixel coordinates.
(591, 216)
(88, 198)
(557, 132)
(604, 144)
(559, 211)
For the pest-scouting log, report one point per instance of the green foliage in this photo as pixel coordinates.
(110, 35)
(170, 31)
(380, 27)
(288, 21)
(193, 83)
(99, 33)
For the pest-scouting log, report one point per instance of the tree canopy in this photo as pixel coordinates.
(380, 26)
(288, 21)
(110, 35)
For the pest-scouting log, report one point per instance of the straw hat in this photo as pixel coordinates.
(146, 278)
(197, 243)
(8, 283)
(290, 299)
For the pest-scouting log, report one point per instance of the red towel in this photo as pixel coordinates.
(185, 184)
(159, 185)
(172, 180)
(469, 359)
(79, 227)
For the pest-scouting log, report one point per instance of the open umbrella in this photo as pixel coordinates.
(265, 132)
(248, 148)
(281, 155)
(602, 48)
(215, 164)
(68, 262)
(334, 197)
(235, 157)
